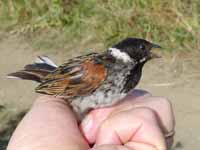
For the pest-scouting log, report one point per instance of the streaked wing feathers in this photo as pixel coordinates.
(78, 77)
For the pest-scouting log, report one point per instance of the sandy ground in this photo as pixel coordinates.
(176, 77)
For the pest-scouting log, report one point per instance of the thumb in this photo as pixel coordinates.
(50, 124)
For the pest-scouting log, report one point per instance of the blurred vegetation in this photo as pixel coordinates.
(174, 24)
(9, 121)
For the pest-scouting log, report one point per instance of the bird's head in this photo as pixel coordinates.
(133, 50)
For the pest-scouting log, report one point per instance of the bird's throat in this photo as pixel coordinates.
(133, 78)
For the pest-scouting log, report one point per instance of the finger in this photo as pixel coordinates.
(162, 108)
(92, 121)
(138, 125)
(140, 146)
(112, 147)
(160, 105)
(51, 125)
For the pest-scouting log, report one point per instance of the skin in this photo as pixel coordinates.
(139, 122)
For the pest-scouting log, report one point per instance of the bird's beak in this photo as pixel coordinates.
(156, 46)
(153, 55)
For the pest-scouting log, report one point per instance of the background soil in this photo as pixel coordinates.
(175, 76)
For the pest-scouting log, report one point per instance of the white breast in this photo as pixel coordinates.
(108, 93)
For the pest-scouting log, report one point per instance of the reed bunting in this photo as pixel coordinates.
(93, 80)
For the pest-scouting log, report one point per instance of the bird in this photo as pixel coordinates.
(93, 80)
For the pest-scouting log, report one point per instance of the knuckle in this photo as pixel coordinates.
(162, 102)
(144, 114)
(106, 124)
(165, 103)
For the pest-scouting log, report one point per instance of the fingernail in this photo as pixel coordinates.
(87, 124)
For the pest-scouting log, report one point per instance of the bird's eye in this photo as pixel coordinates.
(142, 47)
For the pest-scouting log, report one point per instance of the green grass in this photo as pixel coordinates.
(173, 24)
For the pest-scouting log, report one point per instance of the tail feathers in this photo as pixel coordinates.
(45, 60)
(42, 66)
(28, 75)
(37, 71)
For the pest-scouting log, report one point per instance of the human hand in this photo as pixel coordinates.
(140, 122)
(51, 125)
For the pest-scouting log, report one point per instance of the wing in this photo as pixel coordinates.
(79, 76)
